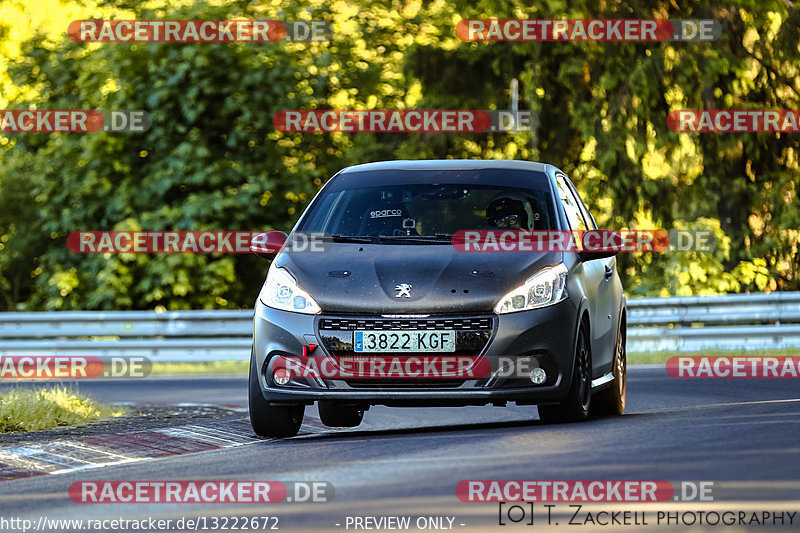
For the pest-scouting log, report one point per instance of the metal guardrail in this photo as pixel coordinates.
(170, 336)
(752, 322)
(128, 324)
(776, 307)
(676, 324)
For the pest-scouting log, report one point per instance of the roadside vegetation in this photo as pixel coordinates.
(49, 407)
(213, 159)
(211, 367)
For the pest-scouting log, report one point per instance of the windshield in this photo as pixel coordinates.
(428, 204)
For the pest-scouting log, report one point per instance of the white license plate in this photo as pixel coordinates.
(404, 341)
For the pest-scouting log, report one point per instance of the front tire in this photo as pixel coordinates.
(339, 416)
(611, 401)
(277, 421)
(575, 408)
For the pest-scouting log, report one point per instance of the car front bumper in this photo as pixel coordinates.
(542, 337)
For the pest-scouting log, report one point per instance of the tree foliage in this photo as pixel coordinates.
(213, 160)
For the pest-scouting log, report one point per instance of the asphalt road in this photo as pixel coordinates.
(743, 435)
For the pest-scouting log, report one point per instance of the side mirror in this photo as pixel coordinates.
(267, 245)
(591, 256)
(600, 244)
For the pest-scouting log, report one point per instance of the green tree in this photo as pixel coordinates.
(213, 160)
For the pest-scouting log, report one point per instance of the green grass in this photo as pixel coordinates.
(654, 358)
(213, 367)
(34, 410)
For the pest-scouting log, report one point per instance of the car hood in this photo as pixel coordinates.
(365, 278)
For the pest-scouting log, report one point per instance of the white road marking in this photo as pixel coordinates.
(67, 455)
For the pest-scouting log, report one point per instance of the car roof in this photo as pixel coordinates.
(451, 164)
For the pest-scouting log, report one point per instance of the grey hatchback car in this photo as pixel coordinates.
(391, 280)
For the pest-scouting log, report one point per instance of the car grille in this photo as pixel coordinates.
(470, 323)
(473, 333)
(404, 383)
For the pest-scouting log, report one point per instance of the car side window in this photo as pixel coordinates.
(585, 210)
(571, 205)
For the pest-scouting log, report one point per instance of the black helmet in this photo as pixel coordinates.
(509, 204)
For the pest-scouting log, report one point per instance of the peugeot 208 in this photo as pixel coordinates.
(384, 279)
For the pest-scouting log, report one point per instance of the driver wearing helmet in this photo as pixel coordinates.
(511, 210)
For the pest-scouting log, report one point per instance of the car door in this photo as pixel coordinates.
(597, 277)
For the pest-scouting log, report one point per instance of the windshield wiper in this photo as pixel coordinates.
(431, 239)
(353, 238)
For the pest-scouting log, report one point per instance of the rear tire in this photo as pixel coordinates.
(277, 421)
(611, 401)
(575, 408)
(339, 416)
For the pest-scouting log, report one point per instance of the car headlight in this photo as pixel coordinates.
(281, 291)
(546, 287)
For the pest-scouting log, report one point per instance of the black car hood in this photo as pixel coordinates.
(442, 279)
